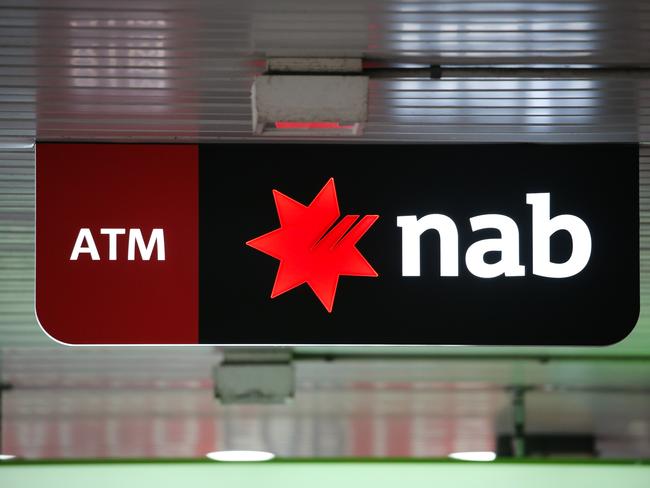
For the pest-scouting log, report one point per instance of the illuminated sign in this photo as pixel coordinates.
(280, 244)
(506, 245)
(311, 249)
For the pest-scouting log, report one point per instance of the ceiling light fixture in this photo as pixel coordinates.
(240, 456)
(482, 456)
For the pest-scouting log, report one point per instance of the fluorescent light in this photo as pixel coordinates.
(474, 456)
(240, 456)
(310, 125)
(6, 457)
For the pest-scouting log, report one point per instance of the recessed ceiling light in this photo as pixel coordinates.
(240, 456)
(6, 457)
(474, 456)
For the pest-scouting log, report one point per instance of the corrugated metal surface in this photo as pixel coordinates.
(182, 70)
(451, 31)
(85, 403)
(145, 70)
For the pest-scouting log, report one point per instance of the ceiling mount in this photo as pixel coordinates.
(310, 96)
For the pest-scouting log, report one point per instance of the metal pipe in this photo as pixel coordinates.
(519, 418)
(470, 72)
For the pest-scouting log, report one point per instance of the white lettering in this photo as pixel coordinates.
(544, 227)
(85, 244)
(112, 241)
(156, 240)
(413, 228)
(507, 245)
(85, 236)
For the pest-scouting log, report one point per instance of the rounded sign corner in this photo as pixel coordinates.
(625, 333)
(48, 332)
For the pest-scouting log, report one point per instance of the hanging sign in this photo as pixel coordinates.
(279, 244)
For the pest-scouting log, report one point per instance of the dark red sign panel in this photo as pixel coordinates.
(276, 244)
(106, 288)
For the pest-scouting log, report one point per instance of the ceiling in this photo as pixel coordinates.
(178, 70)
(182, 70)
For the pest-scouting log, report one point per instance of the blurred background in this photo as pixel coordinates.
(181, 71)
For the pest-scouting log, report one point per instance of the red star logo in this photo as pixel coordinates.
(310, 250)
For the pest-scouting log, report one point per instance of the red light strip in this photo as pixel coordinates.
(310, 125)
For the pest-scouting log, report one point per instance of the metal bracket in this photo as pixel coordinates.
(255, 375)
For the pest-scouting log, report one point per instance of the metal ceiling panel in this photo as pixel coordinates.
(182, 70)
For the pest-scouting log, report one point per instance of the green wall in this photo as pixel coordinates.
(325, 475)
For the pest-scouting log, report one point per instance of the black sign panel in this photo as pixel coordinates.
(506, 244)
